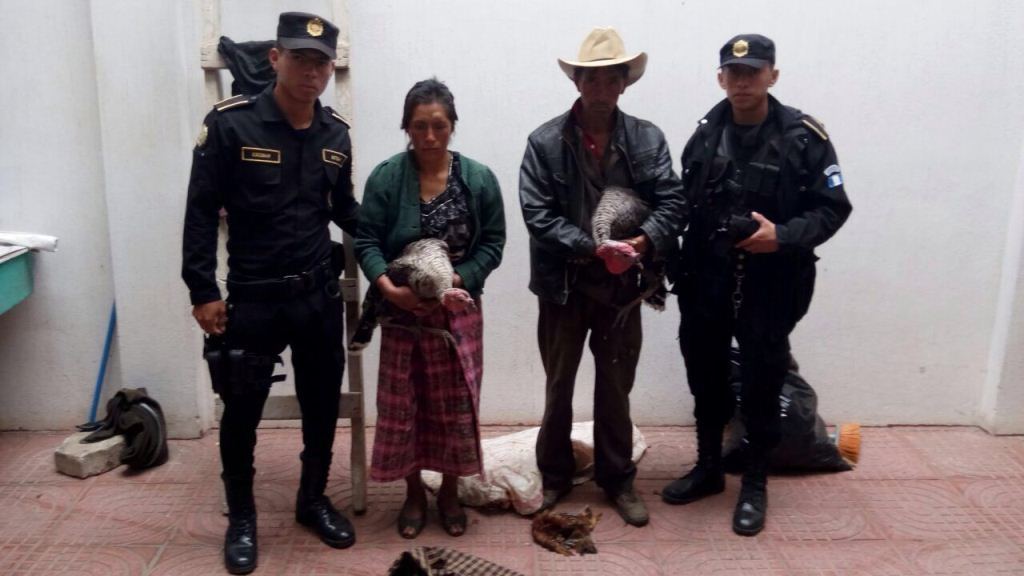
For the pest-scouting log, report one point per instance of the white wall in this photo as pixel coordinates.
(921, 106)
(51, 182)
(921, 100)
(148, 86)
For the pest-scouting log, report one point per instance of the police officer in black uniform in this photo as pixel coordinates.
(279, 163)
(765, 189)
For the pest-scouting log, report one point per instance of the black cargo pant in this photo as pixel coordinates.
(771, 306)
(561, 333)
(312, 325)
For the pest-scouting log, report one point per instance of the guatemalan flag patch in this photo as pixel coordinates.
(833, 176)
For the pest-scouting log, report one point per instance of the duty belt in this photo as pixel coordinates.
(285, 287)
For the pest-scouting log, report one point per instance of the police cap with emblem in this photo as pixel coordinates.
(748, 49)
(299, 30)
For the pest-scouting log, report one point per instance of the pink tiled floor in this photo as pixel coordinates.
(943, 501)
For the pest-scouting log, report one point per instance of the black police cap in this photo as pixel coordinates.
(748, 49)
(299, 30)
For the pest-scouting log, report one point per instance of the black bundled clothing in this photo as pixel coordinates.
(249, 63)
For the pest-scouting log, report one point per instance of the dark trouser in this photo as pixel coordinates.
(705, 336)
(561, 332)
(312, 325)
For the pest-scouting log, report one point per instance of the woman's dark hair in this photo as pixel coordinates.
(427, 92)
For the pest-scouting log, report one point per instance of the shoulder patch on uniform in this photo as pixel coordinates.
(833, 176)
(201, 139)
(815, 126)
(338, 117)
(232, 102)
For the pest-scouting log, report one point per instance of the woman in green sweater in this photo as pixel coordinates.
(431, 358)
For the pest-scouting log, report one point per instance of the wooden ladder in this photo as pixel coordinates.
(287, 407)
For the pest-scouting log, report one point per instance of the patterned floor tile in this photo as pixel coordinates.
(315, 559)
(108, 514)
(725, 556)
(670, 453)
(936, 501)
(78, 560)
(30, 511)
(28, 459)
(612, 559)
(968, 452)
(865, 558)
(927, 510)
(206, 561)
(985, 557)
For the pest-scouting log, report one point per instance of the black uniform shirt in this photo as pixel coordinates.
(280, 187)
(744, 144)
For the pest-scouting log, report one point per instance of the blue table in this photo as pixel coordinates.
(15, 276)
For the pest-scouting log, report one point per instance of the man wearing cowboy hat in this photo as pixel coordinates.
(568, 162)
(769, 190)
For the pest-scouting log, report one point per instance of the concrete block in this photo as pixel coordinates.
(83, 460)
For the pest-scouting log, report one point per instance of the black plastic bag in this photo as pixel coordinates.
(804, 444)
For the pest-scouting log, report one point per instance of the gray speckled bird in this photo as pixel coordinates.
(618, 215)
(425, 267)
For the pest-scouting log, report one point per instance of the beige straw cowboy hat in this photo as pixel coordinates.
(603, 47)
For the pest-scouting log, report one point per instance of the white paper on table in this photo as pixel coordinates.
(29, 240)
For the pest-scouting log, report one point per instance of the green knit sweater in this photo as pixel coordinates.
(390, 218)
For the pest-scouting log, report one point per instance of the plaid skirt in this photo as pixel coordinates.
(428, 395)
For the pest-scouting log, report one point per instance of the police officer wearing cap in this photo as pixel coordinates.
(279, 163)
(764, 188)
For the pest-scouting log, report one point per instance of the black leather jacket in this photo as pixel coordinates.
(551, 194)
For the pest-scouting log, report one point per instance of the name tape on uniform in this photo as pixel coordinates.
(333, 157)
(265, 155)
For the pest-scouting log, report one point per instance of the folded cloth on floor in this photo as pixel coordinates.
(29, 240)
(511, 478)
(438, 561)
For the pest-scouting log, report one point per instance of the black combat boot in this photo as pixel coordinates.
(752, 505)
(707, 477)
(313, 509)
(240, 549)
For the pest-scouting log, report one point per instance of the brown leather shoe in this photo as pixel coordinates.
(631, 507)
(551, 497)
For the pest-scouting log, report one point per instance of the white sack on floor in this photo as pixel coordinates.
(510, 466)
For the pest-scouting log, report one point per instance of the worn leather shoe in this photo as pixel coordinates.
(330, 525)
(698, 483)
(240, 544)
(751, 509)
(551, 497)
(631, 507)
